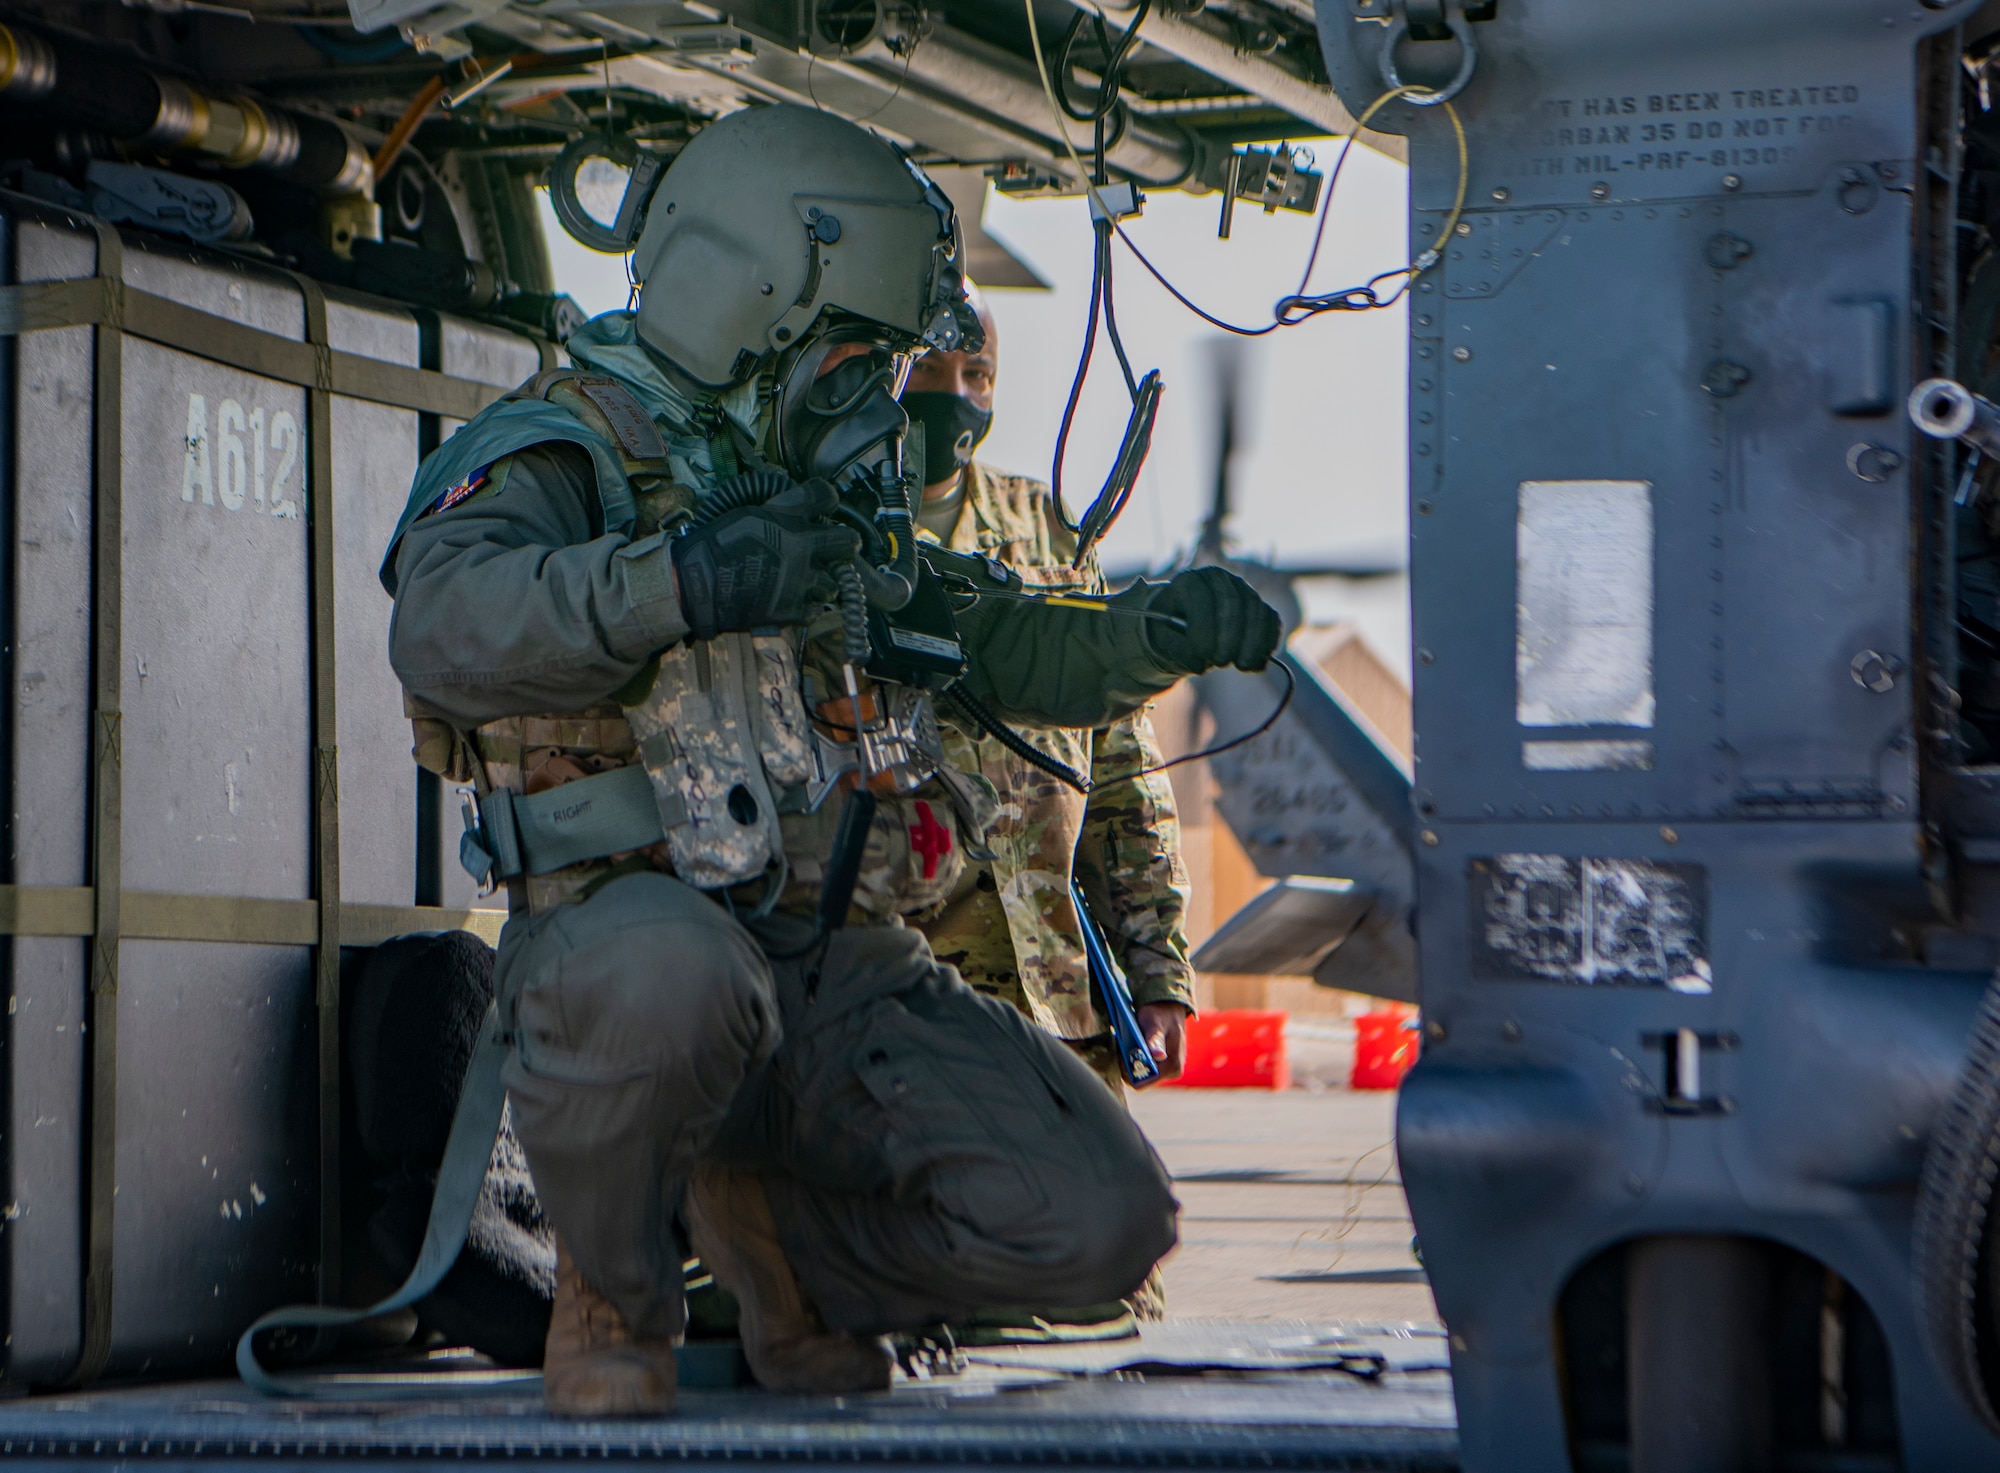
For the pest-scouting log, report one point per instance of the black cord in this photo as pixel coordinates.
(1298, 307)
(1291, 686)
(1101, 301)
(1111, 313)
(1179, 296)
(908, 57)
(975, 711)
(1076, 391)
(1326, 209)
(1111, 78)
(1293, 310)
(1106, 99)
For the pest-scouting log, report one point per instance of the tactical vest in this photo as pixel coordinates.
(743, 779)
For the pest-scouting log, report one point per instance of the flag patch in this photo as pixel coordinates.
(451, 496)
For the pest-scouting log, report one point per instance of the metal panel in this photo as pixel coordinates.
(1315, 795)
(48, 751)
(218, 1199)
(1321, 794)
(1286, 929)
(485, 354)
(218, 789)
(217, 793)
(1686, 262)
(374, 459)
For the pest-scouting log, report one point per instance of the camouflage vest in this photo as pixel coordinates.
(722, 729)
(1011, 928)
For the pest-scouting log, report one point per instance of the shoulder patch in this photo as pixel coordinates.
(462, 491)
(636, 432)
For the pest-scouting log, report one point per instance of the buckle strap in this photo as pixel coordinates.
(512, 834)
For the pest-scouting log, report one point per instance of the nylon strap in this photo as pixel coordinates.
(95, 300)
(326, 783)
(468, 1150)
(71, 910)
(106, 298)
(107, 802)
(590, 818)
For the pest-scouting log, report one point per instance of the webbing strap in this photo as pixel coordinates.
(107, 807)
(107, 300)
(153, 915)
(326, 786)
(468, 1150)
(94, 301)
(604, 814)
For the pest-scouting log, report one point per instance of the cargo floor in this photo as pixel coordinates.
(1185, 1394)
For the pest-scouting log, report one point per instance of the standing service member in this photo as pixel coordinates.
(1010, 926)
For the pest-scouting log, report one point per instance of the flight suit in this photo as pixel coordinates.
(925, 1151)
(1010, 927)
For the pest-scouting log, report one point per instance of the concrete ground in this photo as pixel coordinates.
(1292, 1208)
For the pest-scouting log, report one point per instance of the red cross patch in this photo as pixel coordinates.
(929, 838)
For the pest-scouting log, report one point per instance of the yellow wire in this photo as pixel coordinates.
(1062, 133)
(1418, 266)
(1458, 201)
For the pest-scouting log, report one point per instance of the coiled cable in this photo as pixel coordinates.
(975, 711)
(752, 488)
(853, 617)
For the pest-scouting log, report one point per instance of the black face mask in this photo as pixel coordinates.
(953, 426)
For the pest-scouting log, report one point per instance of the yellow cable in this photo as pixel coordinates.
(1458, 201)
(1418, 266)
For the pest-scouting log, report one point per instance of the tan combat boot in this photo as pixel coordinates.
(787, 1344)
(592, 1364)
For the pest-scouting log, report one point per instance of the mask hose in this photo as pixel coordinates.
(753, 488)
(855, 441)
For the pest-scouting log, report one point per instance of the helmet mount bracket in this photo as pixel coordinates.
(581, 179)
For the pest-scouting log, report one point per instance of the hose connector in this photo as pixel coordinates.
(1946, 409)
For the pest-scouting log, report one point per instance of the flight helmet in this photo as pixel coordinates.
(777, 224)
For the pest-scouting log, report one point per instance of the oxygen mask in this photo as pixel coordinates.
(838, 417)
(838, 421)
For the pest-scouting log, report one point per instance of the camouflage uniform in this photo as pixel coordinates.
(1009, 926)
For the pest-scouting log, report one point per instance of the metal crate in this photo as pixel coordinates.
(208, 784)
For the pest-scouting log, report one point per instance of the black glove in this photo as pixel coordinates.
(1227, 623)
(762, 564)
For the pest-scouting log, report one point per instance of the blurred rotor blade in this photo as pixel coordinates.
(1342, 570)
(1226, 365)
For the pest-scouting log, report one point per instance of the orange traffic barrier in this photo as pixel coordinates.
(1237, 1049)
(1385, 1045)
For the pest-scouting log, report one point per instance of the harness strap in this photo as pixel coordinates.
(467, 1153)
(514, 834)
